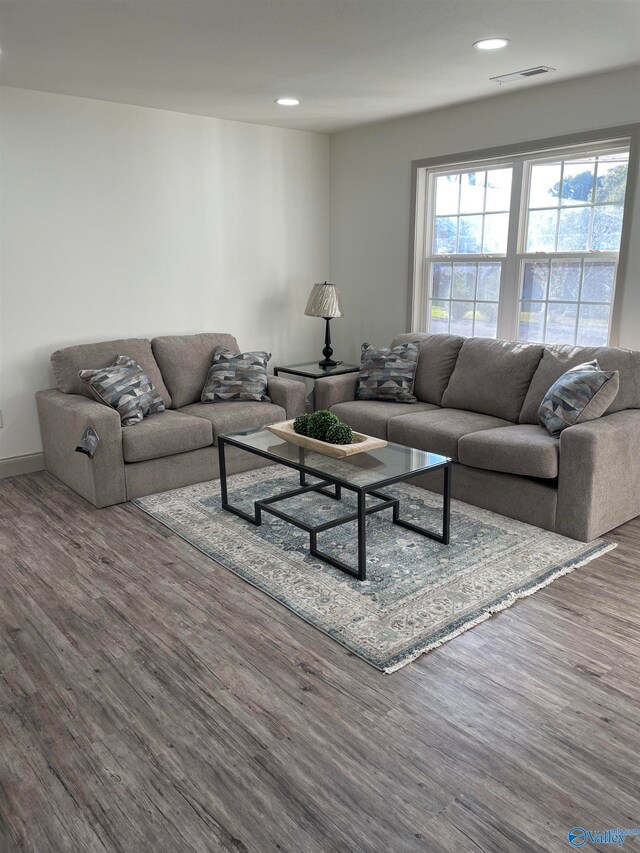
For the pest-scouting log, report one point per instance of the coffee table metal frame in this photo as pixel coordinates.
(325, 486)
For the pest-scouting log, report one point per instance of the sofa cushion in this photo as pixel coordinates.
(68, 362)
(388, 373)
(185, 361)
(437, 359)
(236, 376)
(440, 430)
(164, 435)
(126, 388)
(492, 377)
(371, 416)
(235, 416)
(518, 449)
(556, 360)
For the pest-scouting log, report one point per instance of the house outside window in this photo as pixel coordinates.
(523, 247)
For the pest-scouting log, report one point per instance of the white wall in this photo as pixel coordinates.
(125, 221)
(370, 190)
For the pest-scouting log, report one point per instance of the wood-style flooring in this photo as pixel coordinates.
(150, 700)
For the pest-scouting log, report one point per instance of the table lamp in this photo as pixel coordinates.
(324, 301)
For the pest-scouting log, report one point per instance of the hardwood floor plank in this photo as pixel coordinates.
(150, 700)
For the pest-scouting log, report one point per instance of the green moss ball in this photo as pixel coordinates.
(301, 424)
(340, 434)
(319, 422)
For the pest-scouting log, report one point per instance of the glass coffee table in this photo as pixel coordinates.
(364, 474)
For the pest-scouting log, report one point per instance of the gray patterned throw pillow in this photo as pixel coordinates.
(126, 387)
(387, 374)
(236, 377)
(582, 394)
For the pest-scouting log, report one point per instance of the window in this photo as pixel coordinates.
(571, 236)
(469, 245)
(524, 246)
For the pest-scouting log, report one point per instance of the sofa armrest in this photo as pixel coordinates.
(331, 390)
(599, 475)
(289, 394)
(63, 418)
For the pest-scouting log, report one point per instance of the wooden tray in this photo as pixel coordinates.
(361, 442)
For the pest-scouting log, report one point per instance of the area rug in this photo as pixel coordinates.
(418, 593)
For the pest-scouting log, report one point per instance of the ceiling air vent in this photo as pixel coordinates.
(516, 75)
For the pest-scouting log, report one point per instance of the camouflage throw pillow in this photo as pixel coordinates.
(125, 387)
(388, 374)
(582, 394)
(236, 377)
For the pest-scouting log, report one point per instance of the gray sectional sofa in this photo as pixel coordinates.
(477, 403)
(167, 450)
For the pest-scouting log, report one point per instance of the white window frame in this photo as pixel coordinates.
(520, 159)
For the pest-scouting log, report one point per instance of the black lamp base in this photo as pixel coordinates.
(327, 352)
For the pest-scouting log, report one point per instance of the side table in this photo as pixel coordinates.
(312, 370)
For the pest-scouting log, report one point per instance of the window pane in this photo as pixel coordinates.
(472, 192)
(498, 189)
(544, 188)
(536, 274)
(439, 316)
(462, 318)
(496, 226)
(573, 232)
(470, 234)
(593, 325)
(441, 281)
(564, 283)
(447, 191)
(464, 281)
(577, 182)
(531, 321)
(612, 180)
(445, 236)
(566, 256)
(561, 322)
(486, 322)
(489, 282)
(597, 285)
(541, 231)
(607, 228)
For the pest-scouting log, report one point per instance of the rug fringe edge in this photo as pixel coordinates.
(497, 608)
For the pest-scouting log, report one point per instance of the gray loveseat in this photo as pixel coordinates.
(164, 451)
(477, 403)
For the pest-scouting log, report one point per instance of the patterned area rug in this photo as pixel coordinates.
(418, 594)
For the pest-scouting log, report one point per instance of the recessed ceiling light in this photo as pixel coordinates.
(287, 102)
(491, 44)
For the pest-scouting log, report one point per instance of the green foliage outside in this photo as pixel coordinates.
(609, 187)
(477, 315)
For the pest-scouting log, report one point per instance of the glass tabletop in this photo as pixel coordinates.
(313, 370)
(393, 461)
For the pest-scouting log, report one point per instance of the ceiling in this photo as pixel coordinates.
(349, 61)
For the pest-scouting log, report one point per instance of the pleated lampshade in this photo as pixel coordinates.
(324, 301)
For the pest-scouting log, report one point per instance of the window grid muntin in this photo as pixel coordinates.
(472, 300)
(519, 163)
(583, 258)
(433, 217)
(597, 152)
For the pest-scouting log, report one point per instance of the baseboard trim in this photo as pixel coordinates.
(16, 465)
